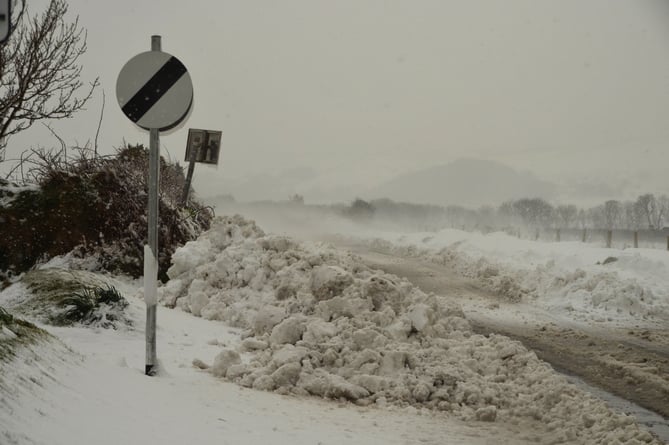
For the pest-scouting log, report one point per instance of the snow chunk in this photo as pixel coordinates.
(328, 385)
(190, 256)
(252, 344)
(329, 281)
(197, 301)
(486, 414)
(267, 318)
(288, 331)
(287, 375)
(289, 354)
(421, 316)
(223, 361)
(319, 331)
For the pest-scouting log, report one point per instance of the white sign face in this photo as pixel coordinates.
(207, 145)
(5, 23)
(154, 90)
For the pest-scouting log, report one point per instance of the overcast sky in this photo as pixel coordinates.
(349, 93)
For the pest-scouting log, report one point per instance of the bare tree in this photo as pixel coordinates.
(633, 215)
(663, 211)
(612, 213)
(649, 208)
(40, 74)
(582, 218)
(360, 210)
(596, 216)
(567, 215)
(296, 199)
(534, 212)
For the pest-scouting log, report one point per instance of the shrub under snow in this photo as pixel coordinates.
(319, 322)
(95, 208)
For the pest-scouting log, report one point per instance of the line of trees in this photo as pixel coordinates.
(647, 212)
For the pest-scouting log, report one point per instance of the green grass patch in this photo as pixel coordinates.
(67, 297)
(86, 307)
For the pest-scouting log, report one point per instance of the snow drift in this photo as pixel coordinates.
(319, 322)
(579, 281)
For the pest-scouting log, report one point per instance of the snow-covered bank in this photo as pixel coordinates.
(319, 322)
(29, 358)
(575, 280)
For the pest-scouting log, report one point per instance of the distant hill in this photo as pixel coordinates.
(468, 182)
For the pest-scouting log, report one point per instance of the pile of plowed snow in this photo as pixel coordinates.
(319, 322)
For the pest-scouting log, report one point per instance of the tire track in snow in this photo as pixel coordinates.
(630, 363)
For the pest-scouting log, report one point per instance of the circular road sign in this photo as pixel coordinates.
(155, 90)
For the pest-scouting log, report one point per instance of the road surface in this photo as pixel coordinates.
(631, 363)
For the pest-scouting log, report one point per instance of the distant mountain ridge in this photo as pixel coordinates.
(467, 182)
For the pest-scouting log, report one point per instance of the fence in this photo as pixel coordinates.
(617, 238)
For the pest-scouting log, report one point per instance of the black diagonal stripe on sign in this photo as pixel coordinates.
(154, 89)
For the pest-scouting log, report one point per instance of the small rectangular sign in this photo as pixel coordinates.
(5, 22)
(206, 143)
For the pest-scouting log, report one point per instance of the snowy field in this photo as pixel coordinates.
(265, 339)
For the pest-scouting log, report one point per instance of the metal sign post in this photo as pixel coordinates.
(151, 291)
(155, 92)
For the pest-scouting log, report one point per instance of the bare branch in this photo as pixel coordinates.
(40, 74)
(63, 145)
(102, 113)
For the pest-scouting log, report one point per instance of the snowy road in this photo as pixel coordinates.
(629, 361)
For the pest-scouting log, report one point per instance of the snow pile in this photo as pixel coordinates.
(569, 278)
(319, 322)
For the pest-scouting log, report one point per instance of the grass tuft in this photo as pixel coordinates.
(97, 305)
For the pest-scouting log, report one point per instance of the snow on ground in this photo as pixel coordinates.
(295, 320)
(96, 392)
(578, 281)
(319, 322)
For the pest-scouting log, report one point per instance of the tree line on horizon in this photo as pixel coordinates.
(647, 212)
